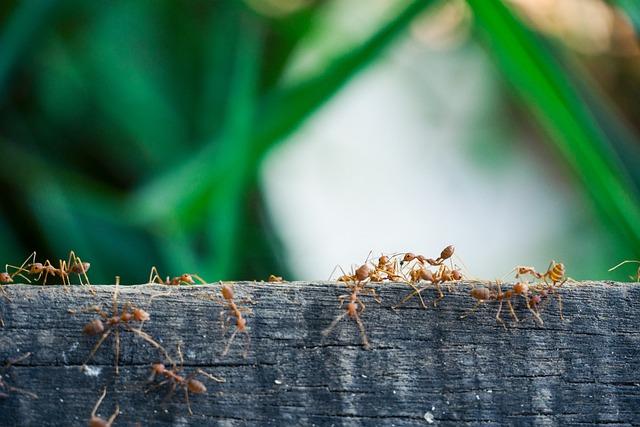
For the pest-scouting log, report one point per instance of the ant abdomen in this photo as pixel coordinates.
(94, 327)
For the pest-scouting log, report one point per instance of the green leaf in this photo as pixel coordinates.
(192, 185)
(22, 26)
(545, 87)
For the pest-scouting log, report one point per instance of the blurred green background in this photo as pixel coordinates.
(136, 133)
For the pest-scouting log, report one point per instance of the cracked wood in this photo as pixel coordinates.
(585, 369)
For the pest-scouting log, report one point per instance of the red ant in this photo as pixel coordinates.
(555, 273)
(482, 295)
(10, 388)
(186, 278)
(418, 273)
(233, 311)
(96, 421)
(115, 322)
(74, 265)
(189, 383)
(355, 308)
(275, 279)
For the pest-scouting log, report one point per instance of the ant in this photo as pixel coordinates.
(233, 311)
(74, 265)
(186, 278)
(275, 279)
(418, 273)
(482, 295)
(10, 388)
(96, 421)
(555, 273)
(115, 322)
(637, 278)
(37, 268)
(355, 308)
(188, 383)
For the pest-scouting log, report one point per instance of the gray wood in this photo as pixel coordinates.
(583, 370)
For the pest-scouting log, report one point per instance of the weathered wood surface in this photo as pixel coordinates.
(583, 370)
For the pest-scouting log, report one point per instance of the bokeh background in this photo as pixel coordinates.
(235, 139)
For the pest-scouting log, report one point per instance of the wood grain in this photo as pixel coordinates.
(423, 365)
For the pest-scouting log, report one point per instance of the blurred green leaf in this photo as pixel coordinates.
(26, 21)
(544, 86)
(283, 111)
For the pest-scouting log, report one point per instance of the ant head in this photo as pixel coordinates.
(383, 259)
(140, 315)
(227, 292)
(456, 275)
(5, 278)
(363, 272)
(408, 257)
(94, 327)
(447, 252)
(186, 278)
(196, 386)
(535, 299)
(481, 294)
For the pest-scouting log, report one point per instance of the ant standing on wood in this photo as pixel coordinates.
(10, 388)
(355, 308)
(556, 274)
(233, 311)
(116, 321)
(418, 271)
(96, 421)
(188, 383)
(186, 278)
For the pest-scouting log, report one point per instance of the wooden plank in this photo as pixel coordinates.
(585, 369)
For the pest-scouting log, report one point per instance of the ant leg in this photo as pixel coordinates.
(247, 344)
(333, 324)
(363, 334)
(154, 277)
(84, 273)
(474, 308)
(211, 377)
(21, 268)
(21, 391)
(226, 349)
(559, 304)
(155, 386)
(117, 351)
(151, 341)
(200, 279)
(411, 295)
(440, 294)
(512, 311)
(113, 416)
(97, 346)
(98, 403)
(186, 397)
(17, 272)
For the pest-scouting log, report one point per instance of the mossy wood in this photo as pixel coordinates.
(424, 366)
